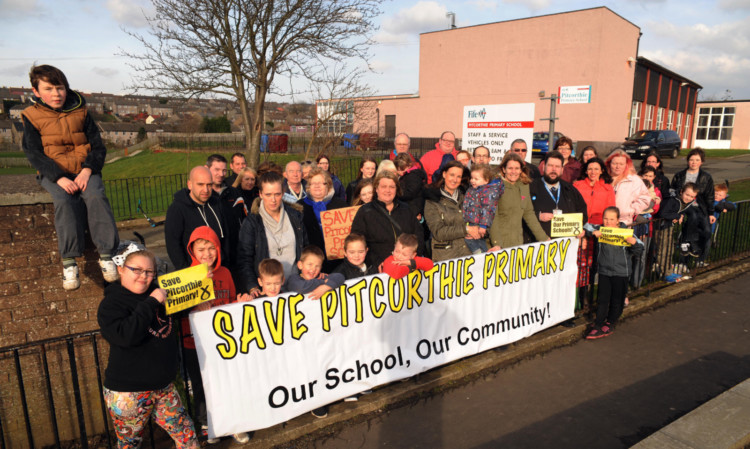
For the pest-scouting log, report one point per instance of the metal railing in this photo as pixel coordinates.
(663, 254)
(154, 194)
(40, 432)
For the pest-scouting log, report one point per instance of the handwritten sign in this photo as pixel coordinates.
(567, 225)
(337, 224)
(615, 236)
(187, 288)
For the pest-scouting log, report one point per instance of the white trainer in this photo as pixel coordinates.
(241, 437)
(70, 278)
(109, 270)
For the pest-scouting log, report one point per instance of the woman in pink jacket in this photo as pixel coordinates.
(631, 194)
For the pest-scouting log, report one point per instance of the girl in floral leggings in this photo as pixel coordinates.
(142, 366)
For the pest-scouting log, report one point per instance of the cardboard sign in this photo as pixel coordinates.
(567, 225)
(496, 126)
(187, 288)
(337, 224)
(615, 236)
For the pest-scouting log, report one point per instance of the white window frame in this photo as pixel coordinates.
(649, 121)
(660, 118)
(635, 117)
(670, 119)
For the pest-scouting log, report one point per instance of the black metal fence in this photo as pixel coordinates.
(73, 392)
(133, 197)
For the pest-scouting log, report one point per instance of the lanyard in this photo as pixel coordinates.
(556, 200)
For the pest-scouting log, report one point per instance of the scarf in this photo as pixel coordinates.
(318, 206)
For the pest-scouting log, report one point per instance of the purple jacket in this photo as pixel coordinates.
(480, 203)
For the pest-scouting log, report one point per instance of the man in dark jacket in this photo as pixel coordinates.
(551, 195)
(233, 207)
(195, 206)
(519, 147)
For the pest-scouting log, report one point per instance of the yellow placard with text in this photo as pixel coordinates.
(566, 225)
(187, 288)
(615, 236)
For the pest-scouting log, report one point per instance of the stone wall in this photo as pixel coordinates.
(34, 307)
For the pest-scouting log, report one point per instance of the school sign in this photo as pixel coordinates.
(266, 361)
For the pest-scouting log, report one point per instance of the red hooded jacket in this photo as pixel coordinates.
(223, 284)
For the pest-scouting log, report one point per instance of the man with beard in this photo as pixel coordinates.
(551, 195)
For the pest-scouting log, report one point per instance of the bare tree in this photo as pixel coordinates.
(340, 101)
(236, 48)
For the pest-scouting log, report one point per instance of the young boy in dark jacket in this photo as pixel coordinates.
(614, 268)
(355, 252)
(63, 144)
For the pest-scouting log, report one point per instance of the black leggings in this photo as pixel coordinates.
(612, 290)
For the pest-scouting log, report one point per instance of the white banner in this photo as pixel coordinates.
(266, 361)
(496, 126)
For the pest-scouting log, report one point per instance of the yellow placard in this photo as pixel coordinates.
(615, 236)
(567, 225)
(337, 224)
(187, 288)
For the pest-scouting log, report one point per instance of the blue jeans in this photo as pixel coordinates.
(477, 246)
(72, 212)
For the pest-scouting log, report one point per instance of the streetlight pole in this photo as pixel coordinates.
(552, 118)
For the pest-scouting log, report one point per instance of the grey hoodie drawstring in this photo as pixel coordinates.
(203, 215)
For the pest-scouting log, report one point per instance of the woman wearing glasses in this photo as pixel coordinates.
(142, 366)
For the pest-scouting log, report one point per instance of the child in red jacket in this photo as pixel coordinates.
(204, 248)
(404, 258)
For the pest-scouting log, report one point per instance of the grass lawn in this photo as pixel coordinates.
(739, 190)
(17, 171)
(148, 163)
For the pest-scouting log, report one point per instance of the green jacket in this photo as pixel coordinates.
(446, 222)
(513, 208)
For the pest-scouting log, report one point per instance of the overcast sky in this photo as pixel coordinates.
(706, 41)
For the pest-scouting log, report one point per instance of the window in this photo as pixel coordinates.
(649, 116)
(715, 123)
(687, 126)
(635, 117)
(660, 118)
(679, 124)
(670, 119)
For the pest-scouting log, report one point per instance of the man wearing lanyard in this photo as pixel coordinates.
(551, 195)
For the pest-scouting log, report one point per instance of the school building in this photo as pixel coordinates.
(723, 124)
(520, 61)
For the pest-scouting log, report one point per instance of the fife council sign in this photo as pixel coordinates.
(574, 94)
(496, 126)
